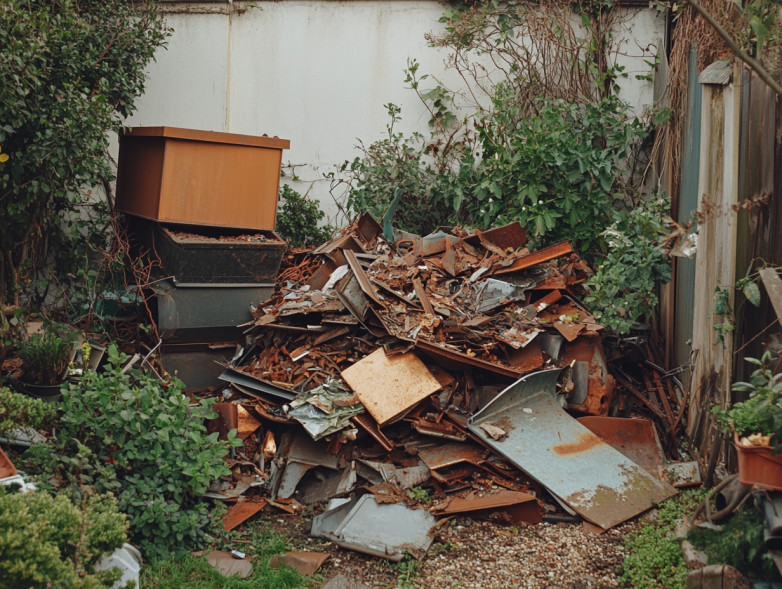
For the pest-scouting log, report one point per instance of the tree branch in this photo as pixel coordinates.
(740, 53)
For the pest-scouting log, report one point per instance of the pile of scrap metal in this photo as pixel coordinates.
(446, 368)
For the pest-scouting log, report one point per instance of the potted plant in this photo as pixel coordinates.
(756, 424)
(45, 358)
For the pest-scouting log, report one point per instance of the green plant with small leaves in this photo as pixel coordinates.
(143, 440)
(46, 355)
(761, 412)
(71, 72)
(48, 541)
(420, 494)
(298, 218)
(654, 556)
(17, 410)
(623, 289)
(407, 570)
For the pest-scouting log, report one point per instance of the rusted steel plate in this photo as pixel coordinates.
(538, 257)
(369, 425)
(500, 239)
(389, 385)
(539, 437)
(241, 512)
(458, 358)
(636, 438)
(361, 276)
(512, 506)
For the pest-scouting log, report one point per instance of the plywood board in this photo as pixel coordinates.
(388, 385)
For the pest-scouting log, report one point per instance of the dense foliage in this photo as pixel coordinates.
(48, 541)
(298, 217)
(128, 434)
(17, 410)
(71, 71)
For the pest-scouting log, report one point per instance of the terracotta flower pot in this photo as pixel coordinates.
(758, 467)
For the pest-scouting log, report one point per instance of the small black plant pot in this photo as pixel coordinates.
(50, 393)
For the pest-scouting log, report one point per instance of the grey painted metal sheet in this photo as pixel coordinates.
(387, 530)
(688, 204)
(595, 480)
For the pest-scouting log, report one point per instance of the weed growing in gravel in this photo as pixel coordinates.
(654, 555)
(407, 568)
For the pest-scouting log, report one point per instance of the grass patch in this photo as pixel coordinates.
(655, 557)
(190, 572)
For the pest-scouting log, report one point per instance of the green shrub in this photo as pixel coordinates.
(49, 542)
(624, 288)
(71, 71)
(45, 356)
(146, 443)
(18, 410)
(297, 219)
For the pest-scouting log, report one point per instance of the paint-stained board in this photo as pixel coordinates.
(389, 385)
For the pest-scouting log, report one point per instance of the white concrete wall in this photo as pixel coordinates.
(317, 72)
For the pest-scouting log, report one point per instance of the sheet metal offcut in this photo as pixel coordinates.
(539, 437)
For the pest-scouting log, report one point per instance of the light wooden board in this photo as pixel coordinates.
(388, 385)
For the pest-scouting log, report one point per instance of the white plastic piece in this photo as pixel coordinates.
(127, 559)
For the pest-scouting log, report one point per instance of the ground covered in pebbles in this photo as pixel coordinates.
(479, 554)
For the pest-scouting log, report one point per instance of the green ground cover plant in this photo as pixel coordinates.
(654, 557)
(255, 539)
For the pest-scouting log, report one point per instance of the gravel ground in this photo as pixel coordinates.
(478, 554)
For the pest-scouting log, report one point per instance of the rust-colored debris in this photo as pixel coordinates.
(416, 337)
(240, 512)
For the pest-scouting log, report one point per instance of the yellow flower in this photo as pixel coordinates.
(3, 156)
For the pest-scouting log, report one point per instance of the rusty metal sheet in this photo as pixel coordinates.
(241, 512)
(368, 227)
(456, 358)
(306, 563)
(370, 426)
(389, 385)
(594, 391)
(451, 454)
(501, 239)
(595, 480)
(511, 506)
(634, 437)
(361, 276)
(421, 293)
(542, 255)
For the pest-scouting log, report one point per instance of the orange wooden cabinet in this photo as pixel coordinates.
(195, 177)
